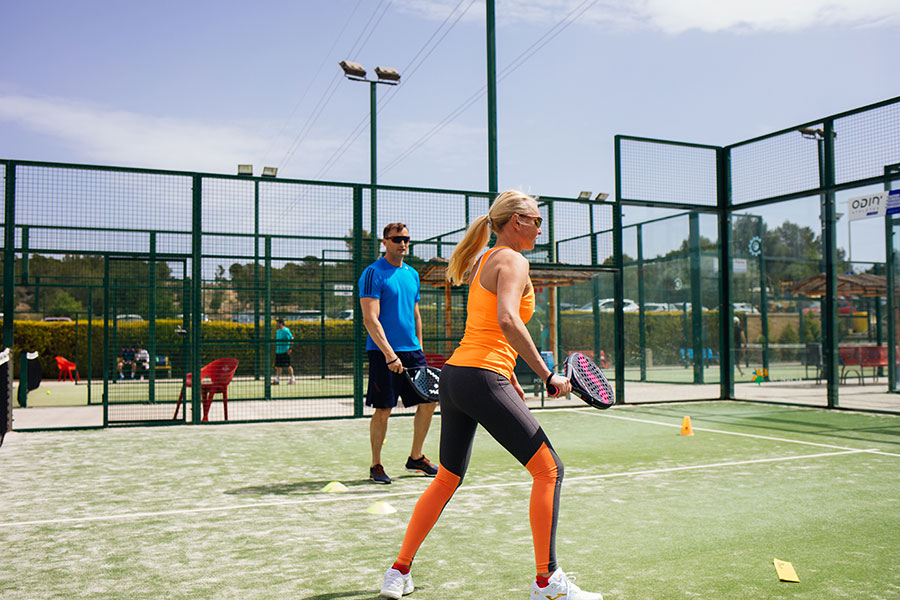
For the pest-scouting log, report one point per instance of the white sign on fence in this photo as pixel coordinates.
(343, 289)
(877, 204)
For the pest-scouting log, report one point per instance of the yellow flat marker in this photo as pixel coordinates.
(786, 571)
(335, 486)
(381, 508)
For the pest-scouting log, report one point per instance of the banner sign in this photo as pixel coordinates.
(878, 204)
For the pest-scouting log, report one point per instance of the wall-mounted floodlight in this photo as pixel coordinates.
(387, 74)
(602, 196)
(245, 169)
(270, 171)
(584, 196)
(812, 134)
(352, 69)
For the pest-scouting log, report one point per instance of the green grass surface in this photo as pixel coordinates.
(646, 514)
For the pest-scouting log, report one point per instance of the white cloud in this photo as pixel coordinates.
(678, 16)
(110, 136)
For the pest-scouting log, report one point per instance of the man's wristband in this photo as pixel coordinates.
(392, 361)
(549, 377)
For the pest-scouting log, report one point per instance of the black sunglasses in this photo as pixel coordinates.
(399, 239)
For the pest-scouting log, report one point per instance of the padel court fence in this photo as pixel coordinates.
(142, 277)
(186, 269)
(752, 244)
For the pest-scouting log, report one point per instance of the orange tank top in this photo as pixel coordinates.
(483, 344)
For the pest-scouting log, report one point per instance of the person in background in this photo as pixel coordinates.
(283, 342)
(739, 340)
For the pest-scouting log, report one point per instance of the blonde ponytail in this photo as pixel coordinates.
(506, 205)
(467, 250)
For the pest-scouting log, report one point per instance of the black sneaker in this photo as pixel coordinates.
(378, 475)
(421, 465)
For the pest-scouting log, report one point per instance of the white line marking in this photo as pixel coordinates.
(750, 435)
(334, 497)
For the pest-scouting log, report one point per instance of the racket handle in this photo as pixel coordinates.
(551, 389)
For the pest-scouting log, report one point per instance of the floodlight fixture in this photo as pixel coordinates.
(584, 196)
(387, 75)
(353, 69)
(812, 134)
(245, 170)
(602, 196)
(269, 171)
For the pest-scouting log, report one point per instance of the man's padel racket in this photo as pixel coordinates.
(588, 381)
(425, 382)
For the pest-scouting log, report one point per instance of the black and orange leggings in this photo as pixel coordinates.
(470, 397)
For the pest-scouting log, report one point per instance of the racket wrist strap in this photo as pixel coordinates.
(390, 362)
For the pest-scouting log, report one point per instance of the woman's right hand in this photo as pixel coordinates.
(558, 386)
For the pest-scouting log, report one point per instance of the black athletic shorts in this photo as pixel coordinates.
(385, 385)
(282, 359)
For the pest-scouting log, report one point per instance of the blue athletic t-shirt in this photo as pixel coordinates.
(397, 289)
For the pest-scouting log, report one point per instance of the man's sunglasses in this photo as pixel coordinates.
(537, 220)
(399, 239)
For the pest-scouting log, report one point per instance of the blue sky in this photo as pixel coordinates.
(201, 85)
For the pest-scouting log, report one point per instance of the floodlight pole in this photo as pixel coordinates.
(360, 75)
(491, 98)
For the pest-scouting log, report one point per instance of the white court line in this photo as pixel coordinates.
(334, 497)
(750, 435)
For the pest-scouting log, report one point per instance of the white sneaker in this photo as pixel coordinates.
(291, 382)
(396, 584)
(560, 588)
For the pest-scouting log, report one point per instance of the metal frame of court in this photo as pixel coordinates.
(149, 232)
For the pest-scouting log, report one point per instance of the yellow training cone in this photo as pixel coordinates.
(686, 428)
(335, 486)
(381, 508)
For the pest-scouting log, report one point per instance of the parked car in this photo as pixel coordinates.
(344, 315)
(685, 306)
(129, 317)
(844, 307)
(59, 319)
(744, 307)
(655, 307)
(609, 305)
(203, 317)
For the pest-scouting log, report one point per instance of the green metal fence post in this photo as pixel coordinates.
(763, 299)
(642, 317)
(829, 312)
(358, 332)
(267, 318)
(726, 328)
(696, 296)
(196, 296)
(258, 366)
(9, 255)
(493, 176)
(151, 326)
(619, 288)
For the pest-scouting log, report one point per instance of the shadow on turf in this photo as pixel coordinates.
(356, 595)
(306, 487)
(298, 487)
(360, 594)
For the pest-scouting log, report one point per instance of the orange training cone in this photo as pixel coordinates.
(686, 428)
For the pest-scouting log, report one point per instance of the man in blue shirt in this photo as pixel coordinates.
(389, 297)
(283, 342)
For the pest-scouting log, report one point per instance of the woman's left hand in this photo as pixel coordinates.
(519, 390)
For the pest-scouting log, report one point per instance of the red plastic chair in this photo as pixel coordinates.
(214, 379)
(66, 368)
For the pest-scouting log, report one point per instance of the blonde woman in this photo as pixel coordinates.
(479, 387)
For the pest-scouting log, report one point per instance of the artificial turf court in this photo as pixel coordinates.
(238, 511)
